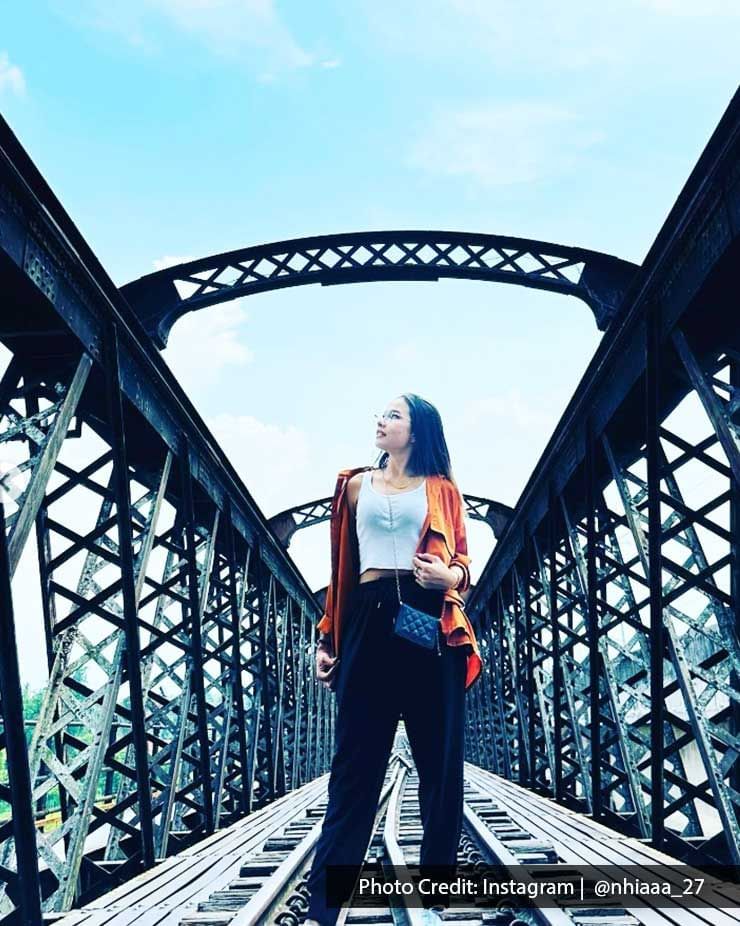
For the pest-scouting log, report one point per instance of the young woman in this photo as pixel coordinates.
(378, 676)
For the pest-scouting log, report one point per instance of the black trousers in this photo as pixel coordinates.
(380, 678)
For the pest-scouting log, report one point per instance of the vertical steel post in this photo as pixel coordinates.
(236, 665)
(530, 665)
(657, 635)
(518, 680)
(28, 900)
(196, 641)
(128, 588)
(266, 706)
(502, 688)
(556, 667)
(48, 608)
(592, 615)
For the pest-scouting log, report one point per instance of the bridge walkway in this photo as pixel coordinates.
(253, 873)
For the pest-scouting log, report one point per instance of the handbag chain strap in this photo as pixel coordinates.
(395, 556)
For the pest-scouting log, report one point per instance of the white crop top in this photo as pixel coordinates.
(374, 525)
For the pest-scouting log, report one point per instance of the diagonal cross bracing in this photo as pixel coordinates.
(599, 280)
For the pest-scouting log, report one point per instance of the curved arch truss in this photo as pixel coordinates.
(286, 523)
(160, 298)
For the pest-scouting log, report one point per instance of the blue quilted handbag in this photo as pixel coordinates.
(410, 623)
(417, 626)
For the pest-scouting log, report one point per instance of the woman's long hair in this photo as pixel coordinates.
(429, 453)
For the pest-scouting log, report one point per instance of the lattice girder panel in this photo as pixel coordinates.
(89, 413)
(485, 741)
(166, 655)
(537, 597)
(570, 617)
(276, 652)
(219, 674)
(20, 887)
(624, 647)
(603, 702)
(700, 468)
(511, 702)
(701, 652)
(193, 776)
(250, 653)
(623, 691)
(290, 689)
(160, 298)
(227, 579)
(37, 407)
(485, 724)
(166, 678)
(512, 610)
(259, 693)
(630, 552)
(87, 696)
(302, 669)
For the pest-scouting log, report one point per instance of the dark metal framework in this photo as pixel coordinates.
(178, 631)
(608, 613)
(286, 523)
(160, 298)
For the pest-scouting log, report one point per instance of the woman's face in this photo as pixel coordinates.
(393, 430)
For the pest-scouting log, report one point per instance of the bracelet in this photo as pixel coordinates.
(461, 575)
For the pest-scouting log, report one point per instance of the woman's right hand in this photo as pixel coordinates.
(326, 665)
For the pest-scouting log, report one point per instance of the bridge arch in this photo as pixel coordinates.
(160, 298)
(286, 523)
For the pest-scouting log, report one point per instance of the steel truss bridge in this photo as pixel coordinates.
(178, 633)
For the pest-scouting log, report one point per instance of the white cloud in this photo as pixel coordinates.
(251, 31)
(202, 344)
(228, 25)
(272, 460)
(504, 435)
(635, 43)
(512, 408)
(11, 76)
(531, 38)
(499, 144)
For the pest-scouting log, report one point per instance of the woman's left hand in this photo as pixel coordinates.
(431, 572)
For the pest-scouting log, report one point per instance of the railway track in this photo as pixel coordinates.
(255, 871)
(271, 886)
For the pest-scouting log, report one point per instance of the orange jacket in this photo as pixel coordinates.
(443, 533)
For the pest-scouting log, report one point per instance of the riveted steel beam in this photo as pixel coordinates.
(625, 543)
(153, 723)
(599, 280)
(286, 523)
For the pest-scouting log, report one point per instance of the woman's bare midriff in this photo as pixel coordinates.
(370, 575)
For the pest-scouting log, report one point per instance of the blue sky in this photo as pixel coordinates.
(172, 129)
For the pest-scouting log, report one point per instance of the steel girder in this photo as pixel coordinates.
(608, 613)
(175, 626)
(160, 298)
(177, 633)
(286, 523)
